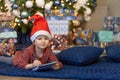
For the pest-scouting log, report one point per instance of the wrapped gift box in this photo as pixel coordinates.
(59, 30)
(62, 14)
(112, 24)
(105, 36)
(8, 36)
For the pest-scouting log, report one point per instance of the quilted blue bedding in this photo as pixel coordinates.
(103, 69)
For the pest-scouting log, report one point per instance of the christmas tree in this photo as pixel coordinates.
(23, 9)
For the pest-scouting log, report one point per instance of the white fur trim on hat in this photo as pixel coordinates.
(41, 32)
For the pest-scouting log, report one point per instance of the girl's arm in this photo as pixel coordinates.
(21, 58)
(29, 66)
(32, 65)
(52, 58)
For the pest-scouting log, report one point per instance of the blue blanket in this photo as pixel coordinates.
(100, 70)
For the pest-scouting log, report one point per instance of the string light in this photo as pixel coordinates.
(88, 3)
(23, 5)
(55, 7)
(62, 1)
(18, 24)
(1, 7)
(70, 3)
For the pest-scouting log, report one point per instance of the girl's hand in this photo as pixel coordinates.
(56, 66)
(36, 63)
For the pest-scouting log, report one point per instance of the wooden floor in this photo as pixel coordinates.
(25, 78)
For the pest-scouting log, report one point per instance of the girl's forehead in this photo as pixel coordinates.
(42, 36)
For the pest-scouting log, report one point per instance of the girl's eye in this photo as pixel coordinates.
(39, 38)
(46, 38)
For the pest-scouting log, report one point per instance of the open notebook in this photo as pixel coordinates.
(44, 66)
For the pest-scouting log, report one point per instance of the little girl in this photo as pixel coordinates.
(39, 52)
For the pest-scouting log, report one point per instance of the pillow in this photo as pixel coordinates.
(113, 52)
(80, 55)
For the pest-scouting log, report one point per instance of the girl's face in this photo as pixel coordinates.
(41, 42)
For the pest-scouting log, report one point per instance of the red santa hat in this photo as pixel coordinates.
(40, 27)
